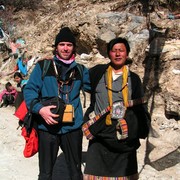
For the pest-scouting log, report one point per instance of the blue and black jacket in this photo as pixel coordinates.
(38, 87)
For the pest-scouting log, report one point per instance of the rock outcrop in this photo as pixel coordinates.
(155, 55)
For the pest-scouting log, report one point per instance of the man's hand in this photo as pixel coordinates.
(47, 115)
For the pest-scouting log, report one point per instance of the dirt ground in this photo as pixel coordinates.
(15, 167)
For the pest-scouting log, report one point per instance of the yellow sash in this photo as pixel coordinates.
(124, 90)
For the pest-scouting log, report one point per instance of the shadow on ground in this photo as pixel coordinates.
(60, 168)
(167, 161)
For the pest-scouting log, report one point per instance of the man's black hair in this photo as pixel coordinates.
(118, 40)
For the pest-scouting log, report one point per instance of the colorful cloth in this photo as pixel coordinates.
(85, 127)
(123, 127)
(91, 177)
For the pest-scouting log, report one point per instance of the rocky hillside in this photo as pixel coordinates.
(153, 32)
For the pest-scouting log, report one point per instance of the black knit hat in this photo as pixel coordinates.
(65, 35)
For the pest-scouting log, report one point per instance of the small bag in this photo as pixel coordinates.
(68, 116)
(60, 106)
(29, 132)
(31, 144)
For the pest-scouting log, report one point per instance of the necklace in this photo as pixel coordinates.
(115, 91)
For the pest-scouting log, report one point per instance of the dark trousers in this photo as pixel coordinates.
(71, 145)
(8, 99)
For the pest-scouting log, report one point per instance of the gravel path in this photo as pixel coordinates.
(13, 166)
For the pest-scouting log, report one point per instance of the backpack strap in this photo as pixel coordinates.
(46, 65)
(80, 69)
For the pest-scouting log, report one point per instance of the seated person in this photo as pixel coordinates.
(8, 95)
(21, 82)
(20, 85)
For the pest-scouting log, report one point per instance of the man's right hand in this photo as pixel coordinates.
(47, 115)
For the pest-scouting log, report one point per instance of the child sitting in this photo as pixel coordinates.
(8, 95)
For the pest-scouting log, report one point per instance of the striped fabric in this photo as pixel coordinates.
(124, 128)
(87, 133)
(92, 177)
(121, 122)
(85, 127)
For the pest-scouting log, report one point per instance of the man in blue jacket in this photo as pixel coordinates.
(66, 83)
